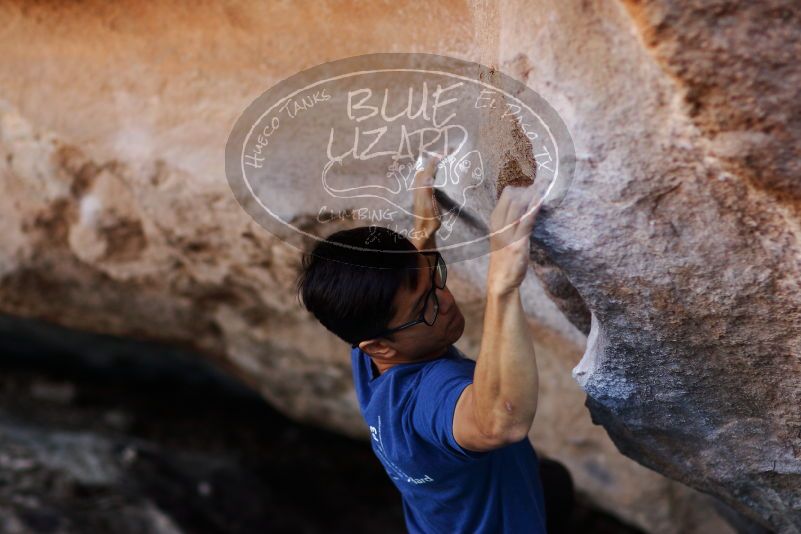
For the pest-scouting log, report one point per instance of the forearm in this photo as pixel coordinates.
(505, 382)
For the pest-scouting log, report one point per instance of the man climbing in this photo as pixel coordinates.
(451, 433)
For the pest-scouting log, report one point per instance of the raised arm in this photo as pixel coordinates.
(498, 408)
(427, 218)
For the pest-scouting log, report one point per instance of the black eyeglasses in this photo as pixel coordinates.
(429, 313)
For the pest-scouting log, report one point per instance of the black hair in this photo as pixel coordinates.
(349, 280)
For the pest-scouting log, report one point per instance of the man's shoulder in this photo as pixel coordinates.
(457, 358)
(452, 365)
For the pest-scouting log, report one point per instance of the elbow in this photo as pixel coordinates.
(517, 434)
(511, 432)
(506, 424)
(514, 427)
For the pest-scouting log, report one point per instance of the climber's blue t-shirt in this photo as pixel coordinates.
(444, 488)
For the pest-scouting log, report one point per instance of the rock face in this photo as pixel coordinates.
(690, 260)
(676, 247)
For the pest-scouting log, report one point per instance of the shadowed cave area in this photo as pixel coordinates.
(103, 434)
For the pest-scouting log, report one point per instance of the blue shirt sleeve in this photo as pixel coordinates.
(435, 405)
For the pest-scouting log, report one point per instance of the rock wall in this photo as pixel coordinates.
(689, 261)
(676, 247)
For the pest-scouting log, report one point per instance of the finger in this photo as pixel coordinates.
(518, 203)
(534, 205)
(436, 159)
(423, 180)
(502, 206)
(427, 167)
(529, 207)
(529, 219)
(509, 209)
(518, 215)
(526, 225)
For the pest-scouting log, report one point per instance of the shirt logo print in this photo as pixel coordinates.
(395, 472)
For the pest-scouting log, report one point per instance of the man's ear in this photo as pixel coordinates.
(377, 348)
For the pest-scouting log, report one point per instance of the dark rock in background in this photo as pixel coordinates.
(104, 435)
(132, 437)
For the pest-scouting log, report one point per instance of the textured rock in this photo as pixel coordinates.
(679, 235)
(690, 260)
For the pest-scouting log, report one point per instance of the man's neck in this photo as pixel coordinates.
(380, 368)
